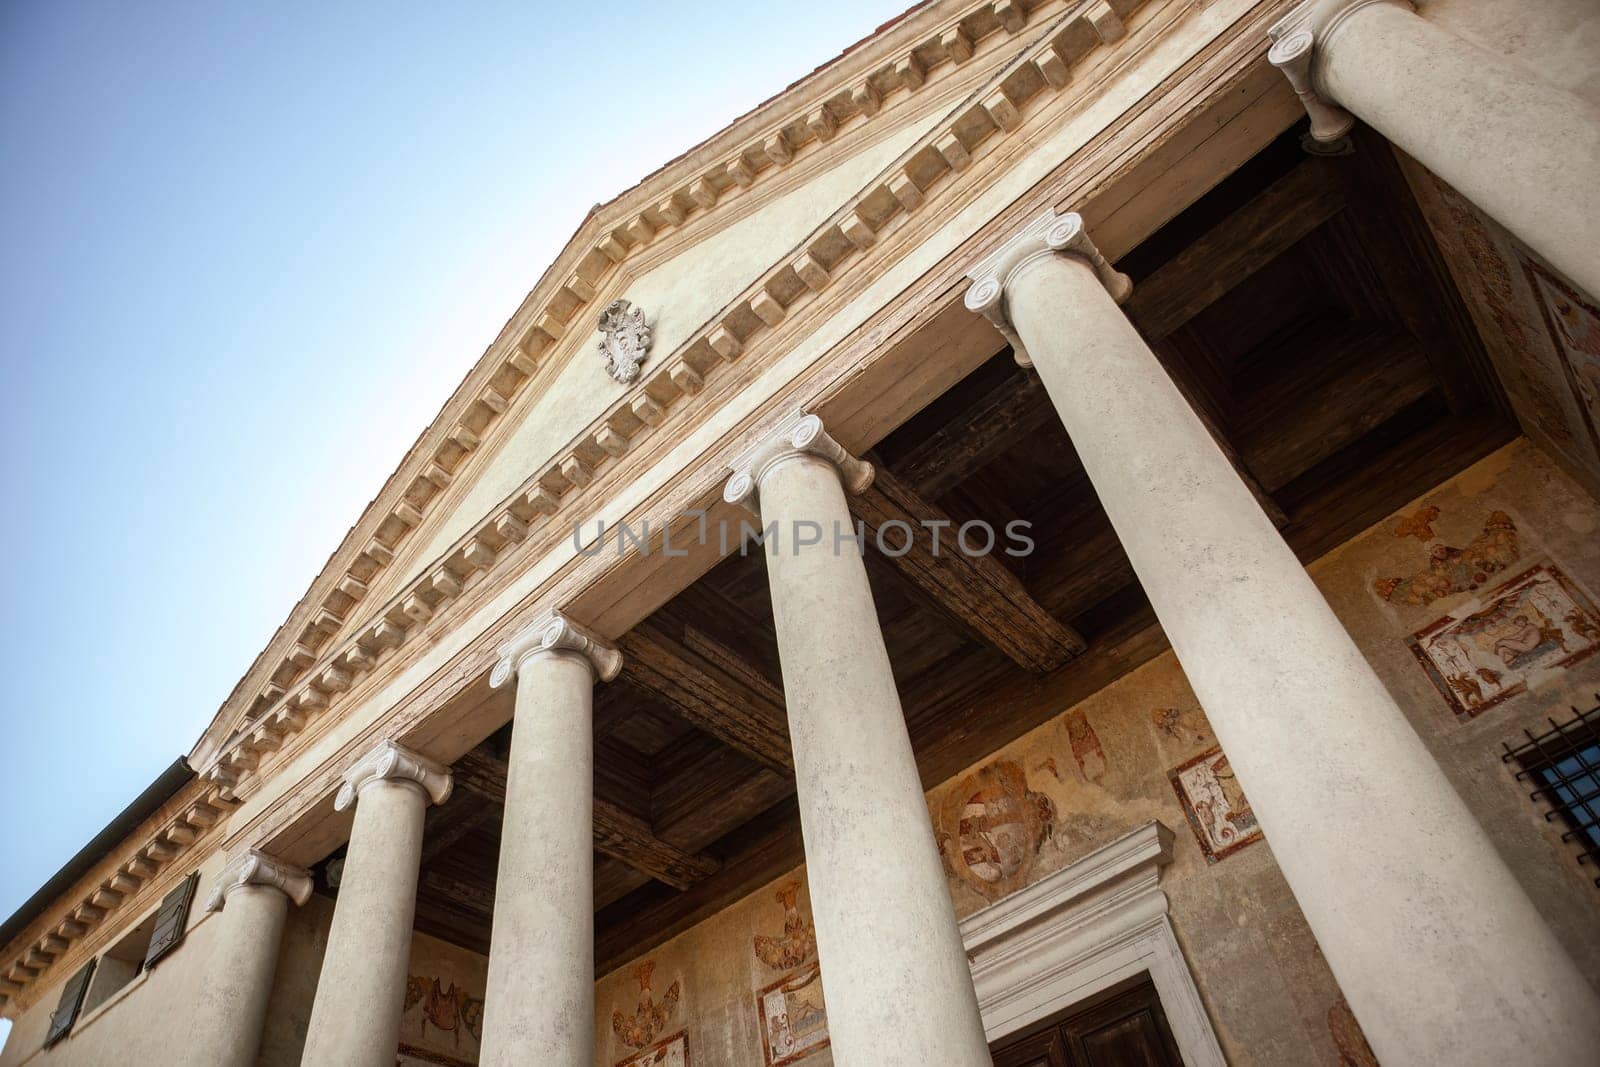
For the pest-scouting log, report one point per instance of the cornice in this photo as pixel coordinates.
(595, 584)
(974, 127)
(148, 863)
(922, 48)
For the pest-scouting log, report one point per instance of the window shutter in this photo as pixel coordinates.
(66, 1012)
(171, 921)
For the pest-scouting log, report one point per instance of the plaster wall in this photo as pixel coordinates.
(137, 1023)
(1106, 765)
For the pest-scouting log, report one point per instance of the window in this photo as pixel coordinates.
(136, 952)
(1562, 765)
(119, 964)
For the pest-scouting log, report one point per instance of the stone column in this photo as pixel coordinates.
(540, 1001)
(355, 1019)
(1440, 952)
(1522, 149)
(894, 971)
(252, 892)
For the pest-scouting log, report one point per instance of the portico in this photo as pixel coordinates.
(571, 797)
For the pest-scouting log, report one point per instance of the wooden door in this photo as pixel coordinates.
(1128, 1029)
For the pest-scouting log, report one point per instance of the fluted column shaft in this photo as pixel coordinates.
(540, 1001)
(253, 894)
(1523, 150)
(1440, 952)
(355, 1019)
(885, 924)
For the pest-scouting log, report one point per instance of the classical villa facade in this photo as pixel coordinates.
(1071, 535)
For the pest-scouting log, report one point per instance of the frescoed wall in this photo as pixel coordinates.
(1542, 335)
(1503, 560)
(743, 988)
(443, 1018)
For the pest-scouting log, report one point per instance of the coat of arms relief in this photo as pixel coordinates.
(624, 340)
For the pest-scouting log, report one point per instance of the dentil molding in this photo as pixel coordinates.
(334, 657)
(555, 634)
(795, 437)
(1047, 235)
(389, 762)
(254, 867)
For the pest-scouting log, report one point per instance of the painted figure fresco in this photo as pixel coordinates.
(440, 1024)
(1574, 325)
(791, 1011)
(1085, 745)
(650, 1016)
(798, 942)
(1535, 623)
(1179, 724)
(794, 1018)
(670, 1051)
(991, 827)
(1451, 570)
(1215, 805)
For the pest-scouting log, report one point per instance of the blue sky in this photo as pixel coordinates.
(246, 251)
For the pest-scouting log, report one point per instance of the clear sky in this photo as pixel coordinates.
(246, 252)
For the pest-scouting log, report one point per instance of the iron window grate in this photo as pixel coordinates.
(1562, 764)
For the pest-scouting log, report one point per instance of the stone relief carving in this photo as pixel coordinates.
(624, 340)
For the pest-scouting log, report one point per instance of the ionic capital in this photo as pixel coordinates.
(389, 762)
(1297, 39)
(1047, 235)
(555, 634)
(801, 435)
(253, 867)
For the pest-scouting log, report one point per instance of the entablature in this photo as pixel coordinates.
(1181, 72)
(922, 51)
(803, 286)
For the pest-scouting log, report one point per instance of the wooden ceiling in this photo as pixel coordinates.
(1303, 308)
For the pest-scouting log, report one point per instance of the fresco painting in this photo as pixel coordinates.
(992, 825)
(1449, 570)
(441, 1022)
(792, 1015)
(794, 1018)
(1574, 326)
(649, 1016)
(1215, 805)
(670, 1051)
(1509, 642)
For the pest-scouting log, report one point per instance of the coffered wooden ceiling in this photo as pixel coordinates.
(1303, 307)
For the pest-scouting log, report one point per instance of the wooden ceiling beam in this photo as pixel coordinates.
(734, 704)
(975, 590)
(617, 833)
(451, 821)
(977, 435)
(1268, 225)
